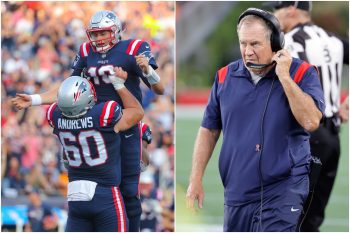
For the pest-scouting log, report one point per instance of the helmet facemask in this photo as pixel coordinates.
(104, 21)
(105, 44)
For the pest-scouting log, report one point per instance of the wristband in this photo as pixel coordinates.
(118, 86)
(152, 76)
(36, 100)
(117, 82)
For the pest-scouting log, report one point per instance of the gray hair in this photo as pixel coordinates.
(253, 18)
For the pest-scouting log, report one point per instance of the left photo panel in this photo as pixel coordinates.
(87, 116)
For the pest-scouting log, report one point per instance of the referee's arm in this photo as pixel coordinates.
(203, 149)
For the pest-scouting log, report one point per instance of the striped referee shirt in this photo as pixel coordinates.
(324, 50)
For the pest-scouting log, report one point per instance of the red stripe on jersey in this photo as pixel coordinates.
(140, 135)
(81, 50)
(129, 46)
(49, 113)
(144, 127)
(222, 74)
(87, 48)
(111, 113)
(301, 71)
(103, 114)
(84, 49)
(116, 206)
(122, 212)
(137, 46)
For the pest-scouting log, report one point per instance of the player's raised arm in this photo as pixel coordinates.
(152, 77)
(132, 112)
(22, 101)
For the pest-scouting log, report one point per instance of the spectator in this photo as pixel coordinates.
(40, 215)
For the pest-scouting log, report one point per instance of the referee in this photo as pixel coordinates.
(328, 52)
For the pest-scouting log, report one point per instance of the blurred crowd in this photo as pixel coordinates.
(39, 41)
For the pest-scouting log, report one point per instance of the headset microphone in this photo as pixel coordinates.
(259, 66)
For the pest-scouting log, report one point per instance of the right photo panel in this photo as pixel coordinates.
(262, 132)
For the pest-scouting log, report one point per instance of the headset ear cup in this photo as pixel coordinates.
(282, 40)
(274, 42)
(277, 41)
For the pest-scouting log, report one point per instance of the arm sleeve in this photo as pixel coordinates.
(212, 114)
(110, 114)
(76, 72)
(311, 85)
(79, 62)
(146, 133)
(145, 49)
(50, 114)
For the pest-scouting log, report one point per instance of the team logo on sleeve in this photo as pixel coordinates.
(117, 109)
(147, 54)
(77, 58)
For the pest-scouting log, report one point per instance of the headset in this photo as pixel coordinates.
(277, 36)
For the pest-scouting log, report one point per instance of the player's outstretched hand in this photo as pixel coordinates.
(142, 62)
(194, 193)
(120, 73)
(21, 101)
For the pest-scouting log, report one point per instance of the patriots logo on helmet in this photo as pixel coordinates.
(81, 89)
(111, 16)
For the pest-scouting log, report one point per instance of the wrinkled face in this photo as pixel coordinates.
(254, 43)
(102, 38)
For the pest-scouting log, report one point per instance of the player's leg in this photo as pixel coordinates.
(134, 211)
(79, 220)
(281, 212)
(131, 155)
(110, 210)
(325, 145)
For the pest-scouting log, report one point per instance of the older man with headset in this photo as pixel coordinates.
(266, 104)
(328, 52)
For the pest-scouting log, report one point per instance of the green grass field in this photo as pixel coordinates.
(210, 217)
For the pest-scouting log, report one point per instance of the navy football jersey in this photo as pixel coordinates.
(90, 143)
(96, 66)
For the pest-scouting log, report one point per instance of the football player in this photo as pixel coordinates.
(96, 60)
(91, 140)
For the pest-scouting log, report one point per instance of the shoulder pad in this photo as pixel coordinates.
(84, 49)
(108, 113)
(49, 114)
(133, 46)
